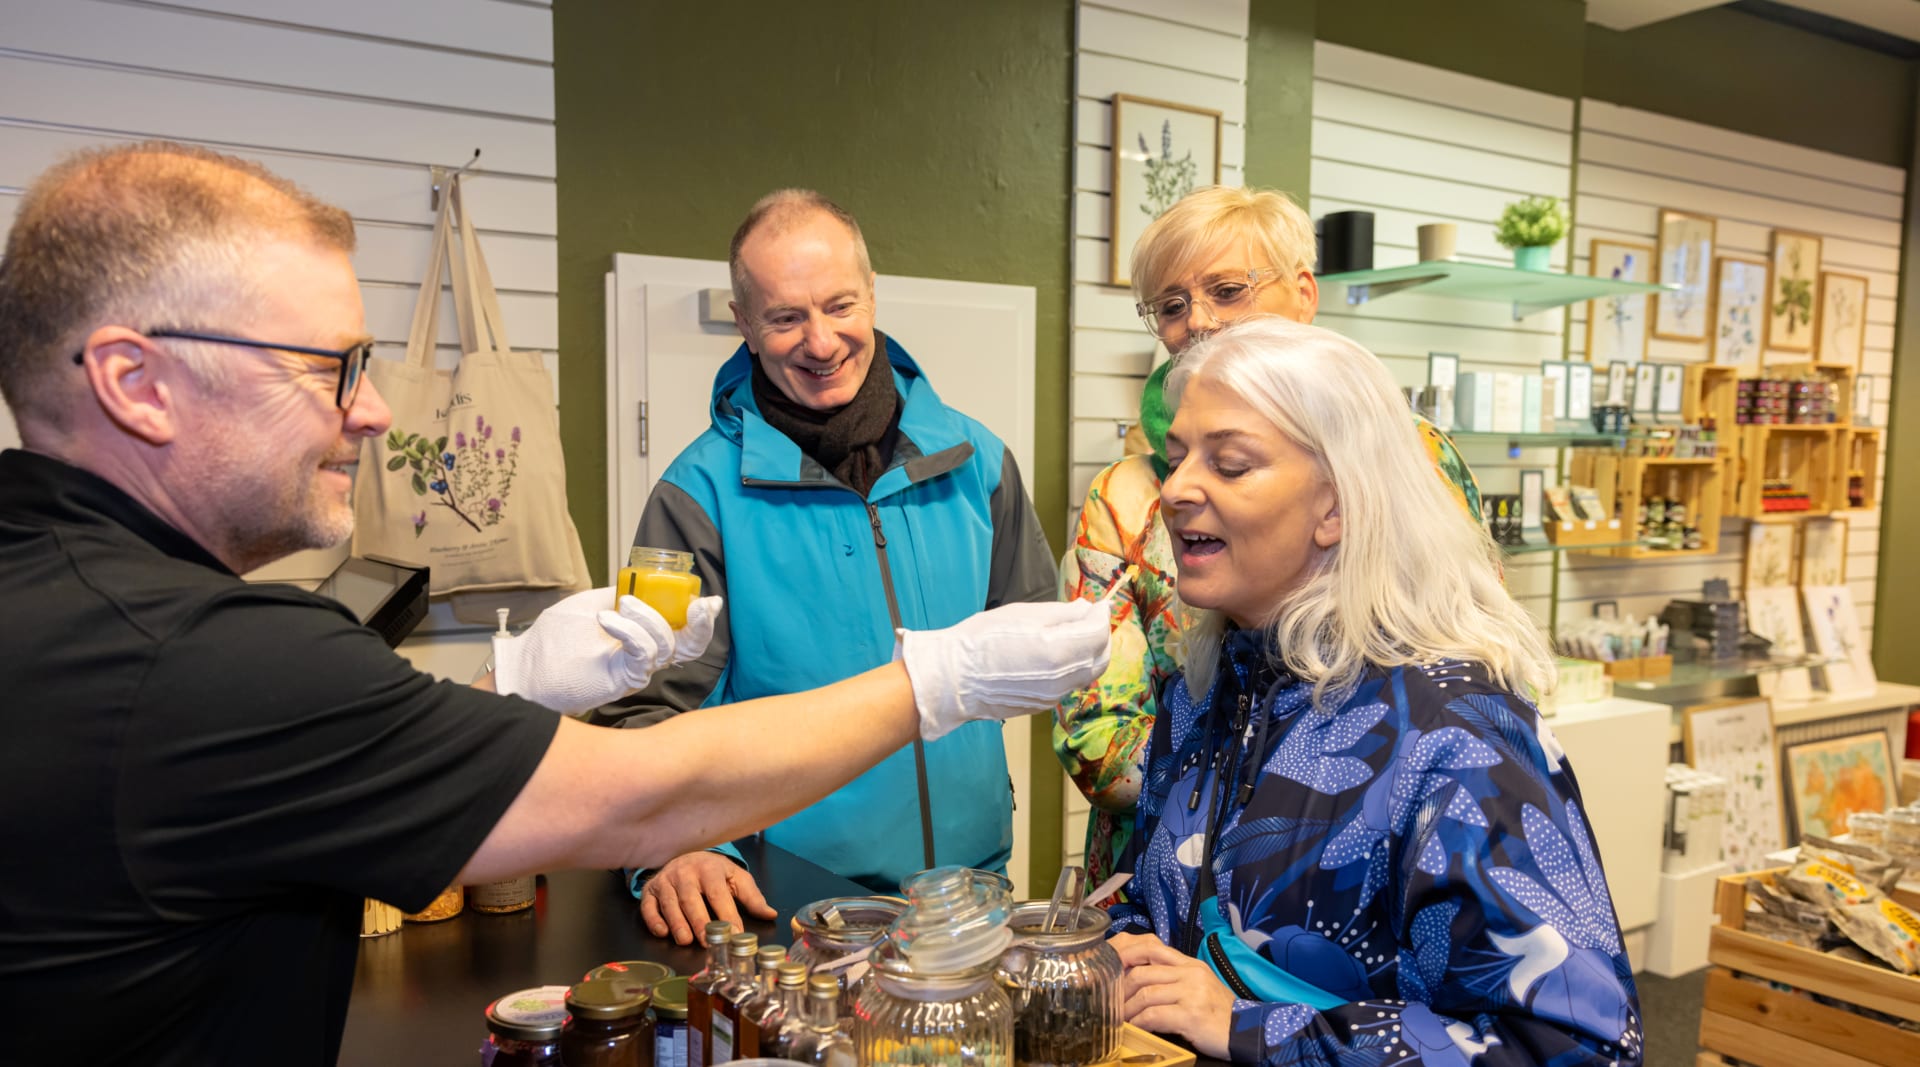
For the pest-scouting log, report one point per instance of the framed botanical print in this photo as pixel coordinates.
(1843, 318)
(1773, 612)
(1617, 325)
(1823, 550)
(1792, 269)
(1833, 629)
(1769, 555)
(1686, 260)
(1161, 152)
(1734, 740)
(1739, 310)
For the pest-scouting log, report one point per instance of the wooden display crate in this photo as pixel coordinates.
(1694, 481)
(1802, 456)
(1839, 379)
(1859, 453)
(1769, 1027)
(1713, 393)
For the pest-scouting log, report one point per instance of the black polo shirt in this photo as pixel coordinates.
(200, 780)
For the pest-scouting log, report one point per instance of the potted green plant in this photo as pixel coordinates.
(1531, 227)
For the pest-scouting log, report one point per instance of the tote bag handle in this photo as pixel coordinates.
(424, 333)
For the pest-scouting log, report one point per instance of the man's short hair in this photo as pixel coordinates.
(148, 236)
(783, 210)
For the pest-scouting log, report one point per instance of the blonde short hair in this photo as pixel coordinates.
(1412, 579)
(1205, 220)
(147, 236)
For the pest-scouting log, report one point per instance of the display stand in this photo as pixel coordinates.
(1779, 467)
(1857, 475)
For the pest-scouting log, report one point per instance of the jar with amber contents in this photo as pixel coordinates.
(499, 898)
(663, 579)
(524, 1028)
(610, 1024)
(449, 903)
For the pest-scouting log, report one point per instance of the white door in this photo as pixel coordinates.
(974, 341)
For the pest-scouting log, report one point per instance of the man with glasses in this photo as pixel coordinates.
(204, 778)
(1219, 255)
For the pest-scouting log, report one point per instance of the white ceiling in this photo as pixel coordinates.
(1900, 18)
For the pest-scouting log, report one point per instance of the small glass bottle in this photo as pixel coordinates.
(741, 982)
(762, 1006)
(609, 1025)
(702, 991)
(662, 578)
(791, 993)
(524, 1028)
(670, 1030)
(819, 1039)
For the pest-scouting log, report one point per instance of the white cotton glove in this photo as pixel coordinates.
(1000, 664)
(691, 640)
(578, 655)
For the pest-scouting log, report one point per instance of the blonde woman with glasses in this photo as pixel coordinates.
(1219, 255)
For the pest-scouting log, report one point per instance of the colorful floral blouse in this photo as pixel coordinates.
(1100, 733)
(1418, 851)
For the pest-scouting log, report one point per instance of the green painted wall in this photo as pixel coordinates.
(945, 128)
(1739, 72)
(1896, 601)
(1535, 44)
(1280, 36)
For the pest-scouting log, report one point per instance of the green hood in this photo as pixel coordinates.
(1156, 415)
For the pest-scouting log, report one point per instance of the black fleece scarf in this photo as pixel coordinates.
(854, 441)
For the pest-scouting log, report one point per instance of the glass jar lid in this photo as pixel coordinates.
(953, 921)
(670, 998)
(601, 999)
(643, 970)
(660, 559)
(849, 921)
(535, 1014)
(1029, 918)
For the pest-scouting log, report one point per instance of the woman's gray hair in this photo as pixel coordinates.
(1412, 579)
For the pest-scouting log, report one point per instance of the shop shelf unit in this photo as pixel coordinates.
(1624, 482)
(1528, 291)
(1839, 379)
(1859, 458)
(1712, 392)
(1800, 457)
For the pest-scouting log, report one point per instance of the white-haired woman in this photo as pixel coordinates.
(1219, 255)
(1357, 841)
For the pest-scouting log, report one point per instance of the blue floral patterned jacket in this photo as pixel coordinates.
(1419, 852)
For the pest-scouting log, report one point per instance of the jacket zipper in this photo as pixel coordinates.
(919, 746)
(1231, 976)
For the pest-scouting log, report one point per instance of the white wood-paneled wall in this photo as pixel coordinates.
(353, 99)
(1632, 164)
(1415, 144)
(1193, 52)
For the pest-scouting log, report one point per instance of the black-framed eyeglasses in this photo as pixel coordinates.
(353, 360)
(1226, 297)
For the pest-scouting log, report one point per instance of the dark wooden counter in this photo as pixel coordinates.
(418, 995)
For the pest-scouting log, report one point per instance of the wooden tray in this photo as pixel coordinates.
(1138, 1048)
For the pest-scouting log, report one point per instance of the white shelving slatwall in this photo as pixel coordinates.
(1415, 144)
(1191, 53)
(1632, 164)
(353, 99)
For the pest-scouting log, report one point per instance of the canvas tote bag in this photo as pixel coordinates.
(470, 479)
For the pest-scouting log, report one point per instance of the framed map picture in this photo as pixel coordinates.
(1831, 779)
(1739, 310)
(1617, 325)
(1792, 270)
(1843, 318)
(1686, 260)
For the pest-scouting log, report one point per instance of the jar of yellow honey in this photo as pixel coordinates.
(663, 579)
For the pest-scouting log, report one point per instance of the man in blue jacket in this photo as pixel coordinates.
(834, 500)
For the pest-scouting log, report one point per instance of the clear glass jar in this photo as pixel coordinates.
(832, 929)
(451, 901)
(957, 1019)
(609, 1024)
(1065, 988)
(524, 1028)
(931, 998)
(503, 897)
(663, 579)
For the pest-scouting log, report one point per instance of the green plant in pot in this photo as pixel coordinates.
(1531, 227)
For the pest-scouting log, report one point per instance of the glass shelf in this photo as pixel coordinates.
(1705, 672)
(1529, 291)
(1548, 546)
(1550, 439)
